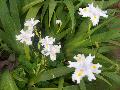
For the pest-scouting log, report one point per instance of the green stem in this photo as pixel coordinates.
(27, 52)
(61, 82)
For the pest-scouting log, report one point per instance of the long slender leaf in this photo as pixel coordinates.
(113, 76)
(51, 74)
(70, 7)
(52, 5)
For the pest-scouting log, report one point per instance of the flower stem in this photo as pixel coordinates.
(27, 52)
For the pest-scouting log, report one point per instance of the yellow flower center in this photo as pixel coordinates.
(46, 45)
(94, 66)
(95, 17)
(80, 73)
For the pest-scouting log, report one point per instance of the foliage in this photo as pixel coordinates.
(76, 36)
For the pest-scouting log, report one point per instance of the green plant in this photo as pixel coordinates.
(76, 35)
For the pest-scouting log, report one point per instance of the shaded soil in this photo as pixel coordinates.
(7, 61)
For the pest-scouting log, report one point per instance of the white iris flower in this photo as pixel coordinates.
(26, 35)
(93, 13)
(31, 23)
(84, 67)
(49, 48)
(47, 42)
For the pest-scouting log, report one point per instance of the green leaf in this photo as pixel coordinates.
(109, 35)
(98, 55)
(102, 24)
(6, 82)
(32, 13)
(102, 37)
(79, 36)
(70, 7)
(62, 34)
(51, 74)
(9, 27)
(29, 5)
(113, 76)
(114, 24)
(33, 88)
(109, 3)
(52, 5)
(72, 87)
(82, 85)
(45, 6)
(102, 78)
(61, 82)
(15, 13)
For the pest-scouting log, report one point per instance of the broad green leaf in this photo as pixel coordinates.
(113, 76)
(87, 1)
(26, 64)
(102, 78)
(102, 37)
(82, 85)
(62, 34)
(8, 25)
(33, 11)
(15, 13)
(72, 87)
(114, 24)
(6, 82)
(106, 49)
(109, 35)
(29, 5)
(52, 5)
(78, 38)
(70, 7)
(33, 88)
(51, 74)
(98, 55)
(102, 24)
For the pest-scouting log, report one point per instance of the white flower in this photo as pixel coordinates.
(49, 49)
(95, 20)
(84, 67)
(25, 37)
(31, 23)
(54, 50)
(85, 12)
(79, 57)
(78, 75)
(47, 41)
(96, 11)
(93, 13)
(59, 22)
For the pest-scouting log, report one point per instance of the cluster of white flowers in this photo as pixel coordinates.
(26, 35)
(84, 67)
(93, 12)
(49, 47)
